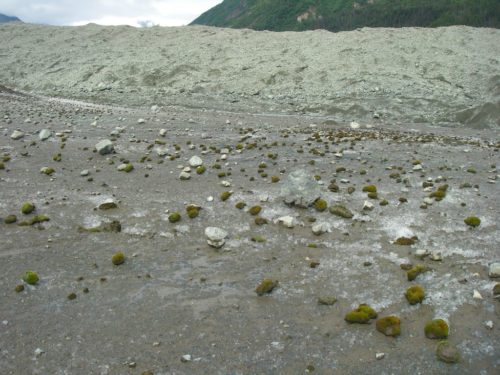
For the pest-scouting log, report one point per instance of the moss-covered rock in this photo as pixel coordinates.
(225, 196)
(27, 208)
(415, 294)
(363, 314)
(259, 220)
(438, 195)
(472, 221)
(2, 165)
(369, 189)
(19, 288)
(389, 326)
(72, 296)
(384, 202)
(275, 179)
(327, 300)
(320, 205)
(436, 329)
(266, 286)
(47, 170)
(341, 211)
(406, 241)
(192, 210)
(255, 210)
(37, 219)
(201, 169)
(416, 270)
(240, 205)
(31, 277)
(447, 352)
(118, 258)
(10, 219)
(258, 239)
(174, 217)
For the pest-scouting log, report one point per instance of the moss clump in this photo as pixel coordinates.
(259, 220)
(39, 219)
(255, 210)
(240, 205)
(201, 169)
(262, 165)
(225, 196)
(259, 239)
(447, 353)
(118, 258)
(48, 170)
(19, 288)
(372, 195)
(341, 211)
(436, 329)
(327, 300)
(471, 170)
(384, 202)
(406, 241)
(416, 270)
(266, 286)
(472, 221)
(363, 314)
(275, 179)
(320, 205)
(438, 195)
(57, 157)
(193, 211)
(369, 189)
(415, 294)
(27, 208)
(389, 326)
(31, 277)
(2, 165)
(72, 296)
(10, 219)
(174, 217)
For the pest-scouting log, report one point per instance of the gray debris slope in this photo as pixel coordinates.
(446, 75)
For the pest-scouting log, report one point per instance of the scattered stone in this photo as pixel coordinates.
(368, 206)
(436, 329)
(354, 125)
(494, 270)
(266, 286)
(215, 237)
(141, 121)
(84, 173)
(287, 221)
(320, 228)
(489, 324)
(389, 326)
(300, 189)
(47, 170)
(421, 253)
(195, 161)
(44, 134)
(341, 211)
(126, 167)
(477, 295)
(104, 147)
(163, 132)
(436, 256)
(16, 135)
(184, 176)
(447, 352)
(379, 356)
(186, 358)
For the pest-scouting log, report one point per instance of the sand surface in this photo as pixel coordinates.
(179, 306)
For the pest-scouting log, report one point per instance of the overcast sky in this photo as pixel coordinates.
(107, 12)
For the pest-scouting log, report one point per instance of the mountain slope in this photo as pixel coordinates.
(338, 15)
(4, 18)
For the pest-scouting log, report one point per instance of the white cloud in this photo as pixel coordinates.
(107, 12)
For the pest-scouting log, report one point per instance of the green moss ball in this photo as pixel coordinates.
(174, 217)
(255, 210)
(31, 277)
(225, 196)
(27, 208)
(320, 205)
(118, 258)
(472, 221)
(369, 189)
(415, 294)
(436, 329)
(389, 326)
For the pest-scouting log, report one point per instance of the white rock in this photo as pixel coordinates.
(421, 253)
(264, 198)
(122, 167)
(84, 173)
(477, 295)
(44, 134)
(141, 121)
(223, 157)
(379, 355)
(186, 358)
(436, 256)
(321, 228)
(494, 270)
(428, 201)
(216, 237)
(16, 134)
(186, 169)
(39, 352)
(210, 199)
(104, 147)
(368, 206)
(287, 221)
(154, 108)
(224, 151)
(163, 132)
(418, 167)
(225, 183)
(184, 176)
(161, 151)
(195, 161)
(489, 324)
(354, 125)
